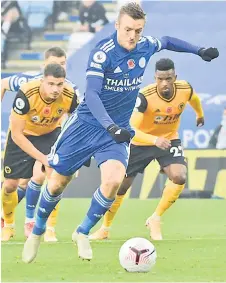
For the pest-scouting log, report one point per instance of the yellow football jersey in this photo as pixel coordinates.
(161, 117)
(42, 117)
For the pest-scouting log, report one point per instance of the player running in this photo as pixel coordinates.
(34, 127)
(100, 127)
(156, 121)
(25, 188)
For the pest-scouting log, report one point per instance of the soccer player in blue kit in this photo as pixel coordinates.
(100, 126)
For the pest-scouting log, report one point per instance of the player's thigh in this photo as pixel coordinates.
(57, 182)
(173, 162)
(112, 174)
(17, 164)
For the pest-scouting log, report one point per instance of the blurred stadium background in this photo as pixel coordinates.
(38, 25)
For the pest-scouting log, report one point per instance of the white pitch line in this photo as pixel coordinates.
(116, 241)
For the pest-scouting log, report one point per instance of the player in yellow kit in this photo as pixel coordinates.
(156, 120)
(34, 127)
(13, 83)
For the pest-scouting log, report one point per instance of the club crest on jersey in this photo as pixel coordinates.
(35, 119)
(99, 57)
(142, 62)
(46, 111)
(181, 106)
(60, 111)
(169, 109)
(131, 64)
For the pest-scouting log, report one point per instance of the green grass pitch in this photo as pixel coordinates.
(193, 250)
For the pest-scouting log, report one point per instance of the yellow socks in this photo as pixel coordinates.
(51, 222)
(110, 214)
(9, 203)
(170, 195)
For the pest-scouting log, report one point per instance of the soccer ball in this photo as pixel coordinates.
(137, 255)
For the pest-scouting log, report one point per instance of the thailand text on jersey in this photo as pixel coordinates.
(122, 74)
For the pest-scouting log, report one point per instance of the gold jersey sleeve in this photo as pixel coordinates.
(161, 117)
(41, 116)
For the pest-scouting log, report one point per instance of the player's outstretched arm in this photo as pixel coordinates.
(4, 86)
(178, 45)
(196, 104)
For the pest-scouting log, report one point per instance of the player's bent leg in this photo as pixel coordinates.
(112, 174)
(50, 196)
(104, 232)
(171, 192)
(9, 203)
(21, 190)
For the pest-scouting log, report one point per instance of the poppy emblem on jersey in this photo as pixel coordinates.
(131, 64)
(46, 111)
(60, 111)
(169, 109)
(181, 106)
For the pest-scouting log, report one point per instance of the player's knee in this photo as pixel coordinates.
(10, 185)
(57, 185)
(125, 185)
(38, 178)
(179, 178)
(23, 183)
(111, 186)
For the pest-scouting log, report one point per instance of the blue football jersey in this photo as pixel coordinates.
(17, 80)
(122, 74)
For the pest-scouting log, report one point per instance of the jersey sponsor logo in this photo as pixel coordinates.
(181, 106)
(142, 62)
(123, 85)
(168, 119)
(131, 64)
(117, 70)
(20, 104)
(7, 170)
(99, 57)
(46, 111)
(95, 65)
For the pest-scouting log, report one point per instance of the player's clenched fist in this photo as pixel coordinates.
(163, 143)
(119, 134)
